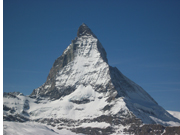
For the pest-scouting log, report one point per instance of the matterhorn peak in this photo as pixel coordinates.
(84, 94)
(84, 30)
(77, 66)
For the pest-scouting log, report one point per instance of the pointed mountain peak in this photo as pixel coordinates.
(84, 30)
(83, 24)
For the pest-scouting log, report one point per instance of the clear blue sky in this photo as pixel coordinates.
(141, 38)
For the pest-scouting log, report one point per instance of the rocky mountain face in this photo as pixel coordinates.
(84, 94)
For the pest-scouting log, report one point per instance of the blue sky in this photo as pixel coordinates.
(141, 38)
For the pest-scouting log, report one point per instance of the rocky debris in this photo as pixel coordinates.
(26, 105)
(152, 129)
(136, 126)
(16, 118)
(172, 131)
(11, 110)
(94, 131)
(83, 101)
(12, 94)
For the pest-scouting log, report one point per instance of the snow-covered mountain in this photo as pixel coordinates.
(84, 94)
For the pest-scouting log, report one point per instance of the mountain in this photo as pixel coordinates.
(84, 94)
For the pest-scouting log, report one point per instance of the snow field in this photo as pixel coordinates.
(32, 128)
(64, 108)
(175, 114)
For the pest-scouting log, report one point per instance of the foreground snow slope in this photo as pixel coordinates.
(32, 128)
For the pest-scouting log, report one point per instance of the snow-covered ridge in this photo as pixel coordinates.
(176, 114)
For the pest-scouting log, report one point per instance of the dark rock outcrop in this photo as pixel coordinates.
(84, 30)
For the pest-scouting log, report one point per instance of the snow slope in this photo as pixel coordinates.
(32, 128)
(175, 114)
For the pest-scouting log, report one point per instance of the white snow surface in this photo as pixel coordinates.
(65, 108)
(176, 114)
(171, 123)
(82, 93)
(32, 128)
(16, 103)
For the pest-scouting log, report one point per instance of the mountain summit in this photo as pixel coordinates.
(84, 94)
(84, 30)
(78, 65)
